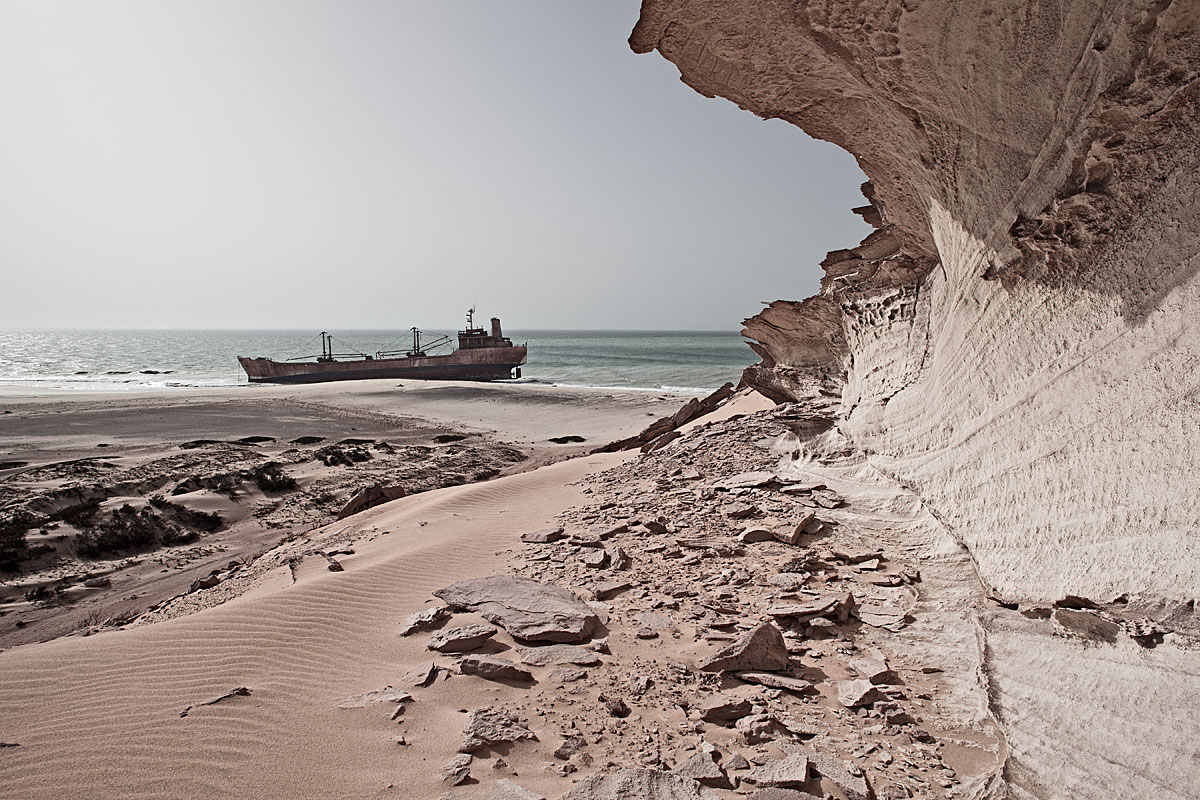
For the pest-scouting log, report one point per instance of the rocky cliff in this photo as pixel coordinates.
(1017, 341)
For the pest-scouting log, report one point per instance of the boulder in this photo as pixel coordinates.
(761, 648)
(527, 609)
(494, 669)
(487, 726)
(638, 784)
(557, 654)
(461, 640)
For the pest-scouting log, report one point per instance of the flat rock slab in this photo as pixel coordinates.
(527, 609)
(494, 669)
(639, 784)
(746, 480)
(385, 695)
(773, 681)
(543, 536)
(761, 648)
(461, 640)
(557, 654)
(788, 772)
(487, 727)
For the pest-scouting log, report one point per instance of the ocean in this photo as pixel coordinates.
(122, 360)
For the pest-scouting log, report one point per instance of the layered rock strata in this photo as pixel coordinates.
(1016, 343)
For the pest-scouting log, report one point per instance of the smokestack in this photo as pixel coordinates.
(496, 332)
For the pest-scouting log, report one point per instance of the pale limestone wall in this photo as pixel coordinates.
(1019, 344)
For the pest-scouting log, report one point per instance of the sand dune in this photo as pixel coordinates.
(104, 712)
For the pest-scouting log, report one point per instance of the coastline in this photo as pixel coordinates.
(159, 452)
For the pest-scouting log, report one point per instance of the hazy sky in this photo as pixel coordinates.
(259, 164)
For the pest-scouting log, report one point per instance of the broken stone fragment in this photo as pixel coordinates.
(595, 559)
(760, 648)
(586, 539)
(788, 772)
(773, 681)
(703, 768)
(422, 674)
(776, 793)
(852, 694)
(461, 640)
(737, 761)
(875, 670)
(639, 784)
(608, 533)
(739, 510)
(827, 498)
(425, 619)
(494, 669)
(617, 557)
(654, 526)
(723, 709)
(756, 728)
(617, 707)
(606, 589)
(568, 675)
(544, 536)
(1084, 626)
(525, 608)
(847, 777)
(458, 769)
(753, 534)
(504, 789)
(793, 533)
(487, 727)
(385, 695)
(557, 654)
(747, 480)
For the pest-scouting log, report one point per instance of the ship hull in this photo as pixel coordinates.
(479, 364)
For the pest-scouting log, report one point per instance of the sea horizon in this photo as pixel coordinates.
(123, 359)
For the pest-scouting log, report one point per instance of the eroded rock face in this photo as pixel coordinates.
(1015, 343)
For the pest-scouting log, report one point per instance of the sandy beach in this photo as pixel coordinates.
(206, 451)
(287, 675)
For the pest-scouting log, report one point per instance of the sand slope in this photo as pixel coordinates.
(104, 712)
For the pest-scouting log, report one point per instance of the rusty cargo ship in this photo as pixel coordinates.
(481, 355)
